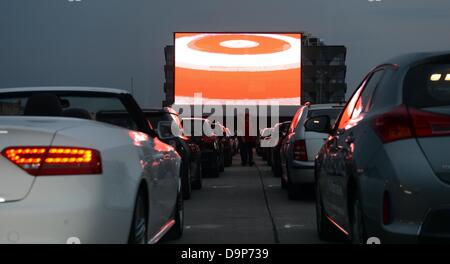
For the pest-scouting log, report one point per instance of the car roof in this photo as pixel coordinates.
(412, 58)
(324, 106)
(63, 88)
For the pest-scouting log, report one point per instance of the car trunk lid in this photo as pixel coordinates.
(15, 183)
(314, 142)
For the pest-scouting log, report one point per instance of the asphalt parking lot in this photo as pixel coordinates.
(247, 205)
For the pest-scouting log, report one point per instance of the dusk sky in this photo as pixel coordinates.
(111, 42)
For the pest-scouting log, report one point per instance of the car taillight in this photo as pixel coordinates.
(394, 125)
(300, 153)
(403, 123)
(44, 161)
(386, 209)
(427, 124)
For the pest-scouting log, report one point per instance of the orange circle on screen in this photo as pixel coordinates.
(212, 43)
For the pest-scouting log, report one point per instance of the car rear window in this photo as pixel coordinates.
(332, 113)
(428, 85)
(94, 106)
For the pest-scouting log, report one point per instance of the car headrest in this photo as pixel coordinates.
(43, 104)
(77, 113)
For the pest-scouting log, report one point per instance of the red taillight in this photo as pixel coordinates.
(300, 153)
(43, 161)
(394, 125)
(386, 209)
(427, 124)
(403, 123)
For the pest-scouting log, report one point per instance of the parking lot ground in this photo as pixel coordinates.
(247, 205)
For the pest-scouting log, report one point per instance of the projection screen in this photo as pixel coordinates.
(237, 68)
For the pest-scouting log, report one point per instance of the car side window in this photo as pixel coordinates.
(348, 110)
(361, 100)
(295, 120)
(369, 90)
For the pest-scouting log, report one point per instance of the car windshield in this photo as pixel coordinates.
(102, 107)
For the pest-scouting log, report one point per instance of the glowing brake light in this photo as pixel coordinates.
(43, 161)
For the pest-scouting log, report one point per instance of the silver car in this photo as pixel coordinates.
(300, 146)
(384, 171)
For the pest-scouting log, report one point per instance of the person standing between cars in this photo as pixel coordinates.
(247, 143)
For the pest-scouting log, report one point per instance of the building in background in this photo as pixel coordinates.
(323, 72)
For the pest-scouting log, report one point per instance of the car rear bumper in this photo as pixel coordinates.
(419, 203)
(301, 172)
(59, 208)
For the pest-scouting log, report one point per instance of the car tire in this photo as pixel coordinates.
(325, 229)
(292, 188)
(176, 231)
(139, 224)
(186, 183)
(197, 184)
(222, 164)
(357, 231)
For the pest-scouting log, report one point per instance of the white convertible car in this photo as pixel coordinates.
(82, 165)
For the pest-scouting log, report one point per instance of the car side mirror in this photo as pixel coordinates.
(320, 124)
(168, 129)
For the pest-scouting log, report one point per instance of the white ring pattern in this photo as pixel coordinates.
(239, 44)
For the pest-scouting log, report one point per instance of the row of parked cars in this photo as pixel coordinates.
(89, 165)
(380, 164)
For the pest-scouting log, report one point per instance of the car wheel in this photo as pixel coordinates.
(222, 164)
(358, 233)
(176, 231)
(138, 231)
(293, 189)
(186, 183)
(197, 184)
(325, 229)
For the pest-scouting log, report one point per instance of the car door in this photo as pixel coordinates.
(286, 141)
(345, 143)
(160, 165)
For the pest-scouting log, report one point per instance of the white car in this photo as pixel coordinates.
(82, 165)
(301, 145)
